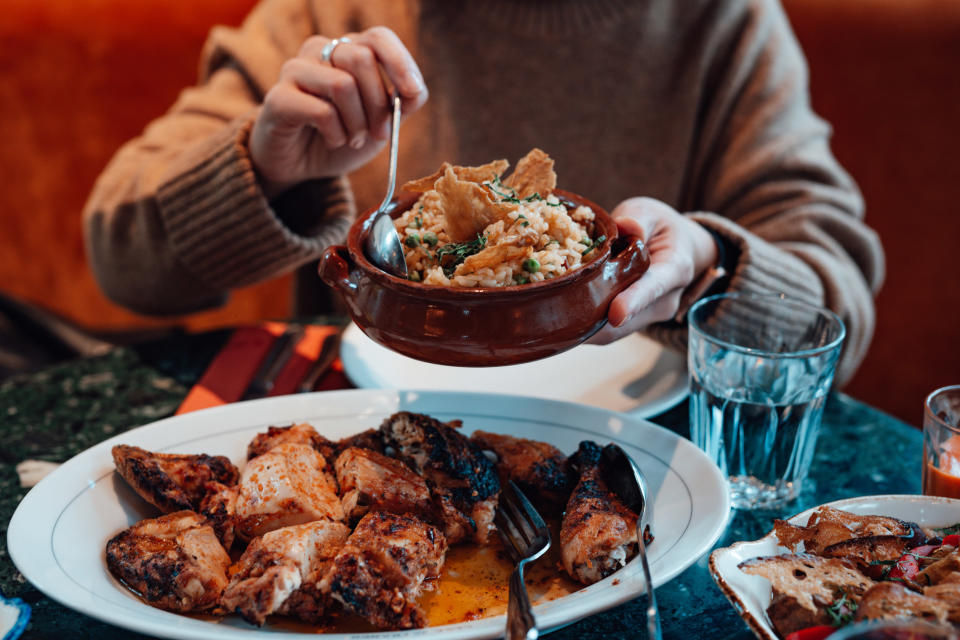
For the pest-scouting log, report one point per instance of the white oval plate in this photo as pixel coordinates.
(58, 533)
(750, 595)
(635, 375)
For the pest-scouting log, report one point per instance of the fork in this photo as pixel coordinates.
(527, 538)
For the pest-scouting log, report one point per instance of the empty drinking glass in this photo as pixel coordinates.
(758, 388)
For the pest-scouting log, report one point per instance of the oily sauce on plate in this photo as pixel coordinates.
(471, 586)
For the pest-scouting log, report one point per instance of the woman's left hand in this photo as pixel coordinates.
(680, 251)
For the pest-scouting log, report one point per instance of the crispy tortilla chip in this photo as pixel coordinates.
(534, 174)
(492, 256)
(467, 206)
(470, 174)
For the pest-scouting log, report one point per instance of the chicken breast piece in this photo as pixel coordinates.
(379, 572)
(287, 485)
(372, 481)
(280, 572)
(540, 469)
(598, 533)
(173, 562)
(172, 482)
(462, 480)
(304, 433)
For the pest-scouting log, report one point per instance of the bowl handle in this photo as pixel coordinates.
(335, 268)
(629, 259)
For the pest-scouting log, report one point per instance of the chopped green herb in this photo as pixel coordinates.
(429, 238)
(412, 240)
(521, 279)
(842, 610)
(533, 198)
(591, 245)
(947, 531)
(531, 264)
(451, 255)
(418, 222)
(554, 204)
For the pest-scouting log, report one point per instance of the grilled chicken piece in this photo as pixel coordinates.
(173, 562)
(220, 510)
(280, 572)
(369, 439)
(598, 532)
(539, 469)
(371, 481)
(379, 573)
(461, 478)
(172, 482)
(289, 484)
(304, 433)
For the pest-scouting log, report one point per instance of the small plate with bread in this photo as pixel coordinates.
(888, 556)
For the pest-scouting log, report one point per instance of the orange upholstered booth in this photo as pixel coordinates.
(80, 77)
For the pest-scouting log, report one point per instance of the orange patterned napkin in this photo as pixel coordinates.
(232, 370)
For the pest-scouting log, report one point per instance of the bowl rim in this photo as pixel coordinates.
(405, 199)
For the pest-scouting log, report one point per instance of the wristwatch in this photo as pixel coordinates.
(711, 281)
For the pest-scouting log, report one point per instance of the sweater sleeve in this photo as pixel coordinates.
(178, 218)
(768, 184)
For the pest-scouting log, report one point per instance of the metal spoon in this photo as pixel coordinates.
(383, 242)
(625, 479)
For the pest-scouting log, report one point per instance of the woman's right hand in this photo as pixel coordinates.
(326, 119)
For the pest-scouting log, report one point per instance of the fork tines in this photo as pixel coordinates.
(520, 524)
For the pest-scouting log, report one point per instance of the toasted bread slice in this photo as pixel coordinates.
(804, 585)
(940, 571)
(828, 526)
(892, 601)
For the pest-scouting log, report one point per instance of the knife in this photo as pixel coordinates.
(328, 353)
(278, 355)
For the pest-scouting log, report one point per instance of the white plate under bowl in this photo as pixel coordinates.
(59, 530)
(635, 375)
(750, 595)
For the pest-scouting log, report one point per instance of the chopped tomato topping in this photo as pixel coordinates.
(812, 633)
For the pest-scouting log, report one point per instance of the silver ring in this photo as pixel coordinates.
(327, 52)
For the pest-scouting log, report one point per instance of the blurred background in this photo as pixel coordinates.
(80, 77)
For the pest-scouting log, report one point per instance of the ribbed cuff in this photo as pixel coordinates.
(761, 268)
(220, 224)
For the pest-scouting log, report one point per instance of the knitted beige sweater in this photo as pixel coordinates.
(702, 104)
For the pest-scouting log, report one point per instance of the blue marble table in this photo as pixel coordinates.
(56, 413)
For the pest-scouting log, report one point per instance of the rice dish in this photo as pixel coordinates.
(511, 231)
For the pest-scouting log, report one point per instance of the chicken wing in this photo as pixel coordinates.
(461, 478)
(539, 469)
(174, 562)
(289, 484)
(598, 531)
(280, 572)
(379, 572)
(372, 481)
(171, 482)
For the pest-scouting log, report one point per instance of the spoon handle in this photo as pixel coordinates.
(394, 137)
(653, 613)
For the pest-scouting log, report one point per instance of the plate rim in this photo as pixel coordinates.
(48, 584)
(364, 380)
(761, 627)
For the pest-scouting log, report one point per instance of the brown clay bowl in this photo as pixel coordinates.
(481, 327)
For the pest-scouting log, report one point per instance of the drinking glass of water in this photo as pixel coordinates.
(758, 388)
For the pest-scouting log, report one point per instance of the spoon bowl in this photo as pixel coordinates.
(383, 246)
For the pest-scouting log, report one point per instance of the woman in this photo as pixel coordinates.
(691, 123)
